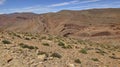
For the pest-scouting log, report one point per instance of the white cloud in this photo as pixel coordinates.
(47, 8)
(64, 3)
(36, 9)
(72, 2)
(52, 7)
(2, 1)
(88, 1)
(96, 6)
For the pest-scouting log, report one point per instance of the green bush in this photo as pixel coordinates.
(114, 57)
(64, 46)
(27, 38)
(50, 38)
(6, 42)
(33, 38)
(61, 44)
(18, 36)
(57, 55)
(27, 46)
(67, 47)
(95, 59)
(77, 61)
(81, 41)
(15, 34)
(84, 51)
(43, 37)
(101, 51)
(45, 44)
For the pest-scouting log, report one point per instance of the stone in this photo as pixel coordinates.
(42, 57)
(70, 65)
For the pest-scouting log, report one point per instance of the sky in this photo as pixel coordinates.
(44, 6)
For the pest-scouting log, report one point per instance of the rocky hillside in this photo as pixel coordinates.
(86, 23)
(86, 38)
(35, 50)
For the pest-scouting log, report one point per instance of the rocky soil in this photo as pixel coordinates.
(35, 50)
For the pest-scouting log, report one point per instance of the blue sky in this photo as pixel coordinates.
(44, 6)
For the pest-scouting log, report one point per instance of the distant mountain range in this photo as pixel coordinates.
(92, 22)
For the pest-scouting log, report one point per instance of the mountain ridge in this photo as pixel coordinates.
(65, 22)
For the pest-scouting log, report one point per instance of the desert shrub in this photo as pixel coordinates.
(18, 36)
(77, 61)
(27, 46)
(57, 55)
(81, 41)
(100, 51)
(84, 51)
(6, 42)
(33, 38)
(41, 53)
(114, 57)
(64, 46)
(113, 53)
(43, 37)
(27, 38)
(28, 34)
(94, 59)
(67, 47)
(14, 34)
(50, 38)
(61, 44)
(45, 44)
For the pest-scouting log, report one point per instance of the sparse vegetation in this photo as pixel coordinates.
(100, 51)
(50, 37)
(43, 37)
(15, 34)
(27, 38)
(87, 38)
(114, 57)
(45, 44)
(6, 42)
(33, 37)
(81, 42)
(94, 59)
(27, 46)
(67, 47)
(84, 51)
(61, 44)
(77, 61)
(41, 53)
(57, 55)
